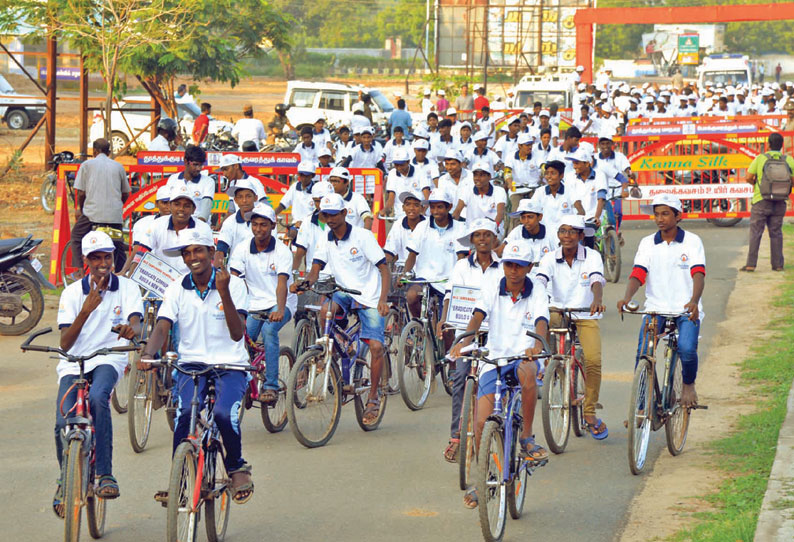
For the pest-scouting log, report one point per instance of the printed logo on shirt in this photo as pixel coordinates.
(684, 258)
(564, 204)
(584, 276)
(218, 315)
(353, 251)
(272, 266)
(117, 310)
(545, 250)
(196, 193)
(219, 306)
(527, 322)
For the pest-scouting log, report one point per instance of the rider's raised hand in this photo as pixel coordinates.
(222, 278)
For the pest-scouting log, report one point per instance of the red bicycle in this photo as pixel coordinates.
(78, 476)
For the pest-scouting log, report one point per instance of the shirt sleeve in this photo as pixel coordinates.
(393, 241)
(123, 181)
(79, 181)
(284, 260)
(500, 195)
(414, 243)
(237, 260)
(698, 258)
(391, 182)
(540, 305)
(132, 300)
(225, 240)
(321, 251)
(362, 208)
(753, 168)
(287, 198)
(594, 267)
(545, 269)
(239, 292)
(372, 249)
(642, 261)
(207, 188)
(68, 307)
(485, 303)
(169, 308)
(303, 239)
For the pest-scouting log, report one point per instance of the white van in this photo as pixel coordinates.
(725, 69)
(548, 89)
(332, 101)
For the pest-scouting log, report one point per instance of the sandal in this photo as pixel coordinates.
(532, 451)
(470, 499)
(451, 452)
(372, 412)
(269, 397)
(747, 269)
(107, 487)
(162, 498)
(242, 493)
(57, 501)
(594, 429)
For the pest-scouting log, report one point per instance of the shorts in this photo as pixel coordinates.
(372, 323)
(486, 384)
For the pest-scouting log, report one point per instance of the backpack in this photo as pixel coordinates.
(775, 178)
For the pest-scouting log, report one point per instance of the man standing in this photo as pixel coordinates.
(480, 101)
(248, 128)
(400, 117)
(778, 70)
(465, 102)
(766, 211)
(442, 104)
(100, 190)
(202, 124)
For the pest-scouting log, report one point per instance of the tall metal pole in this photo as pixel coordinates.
(485, 48)
(52, 52)
(83, 109)
(427, 31)
(437, 33)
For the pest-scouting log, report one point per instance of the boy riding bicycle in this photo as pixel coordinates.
(513, 306)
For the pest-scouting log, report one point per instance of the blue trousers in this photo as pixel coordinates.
(688, 332)
(229, 392)
(269, 331)
(102, 379)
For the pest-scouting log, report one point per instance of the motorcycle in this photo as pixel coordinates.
(220, 141)
(21, 282)
(50, 184)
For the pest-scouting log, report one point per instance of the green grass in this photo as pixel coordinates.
(746, 455)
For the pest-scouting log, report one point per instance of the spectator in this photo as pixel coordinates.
(761, 70)
(465, 102)
(480, 101)
(366, 99)
(442, 104)
(427, 103)
(181, 95)
(248, 128)
(400, 117)
(766, 213)
(100, 190)
(202, 124)
(778, 71)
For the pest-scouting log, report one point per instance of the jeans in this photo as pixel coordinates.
(269, 331)
(102, 379)
(462, 367)
(229, 392)
(688, 332)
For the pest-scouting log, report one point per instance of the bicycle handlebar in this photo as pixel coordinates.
(26, 346)
(564, 310)
(209, 368)
(327, 287)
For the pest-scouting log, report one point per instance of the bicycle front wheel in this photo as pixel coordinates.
(219, 497)
(74, 489)
(517, 488)
(305, 336)
(677, 425)
(95, 512)
(120, 396)
(611, 248)
(314, 399)
(274, 417)
(468, 417)
(393, 328)
(182, 517)
(640, 413)
(577, 395)
(554, 407)
(414, 367)
(491, 489)
(363, 382)
(139, 419)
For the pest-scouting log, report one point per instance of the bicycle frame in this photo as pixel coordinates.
(505, 418)
(669, 334)
(572, 361)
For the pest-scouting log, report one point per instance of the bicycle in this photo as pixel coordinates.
(396, 321)
(78, 465)
(417, 362)
(198, 475)
(650, 408)
(149, 390)
(330, 373)
(502, 474)
(607, 242)
(274, 415)
(562, 400)
(307, 321)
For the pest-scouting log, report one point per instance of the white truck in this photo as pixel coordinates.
(17, 111)
(546, 89)
(725, 69)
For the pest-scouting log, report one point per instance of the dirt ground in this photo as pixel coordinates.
(670, 495)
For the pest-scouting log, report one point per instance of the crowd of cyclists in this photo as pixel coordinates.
(511, 215)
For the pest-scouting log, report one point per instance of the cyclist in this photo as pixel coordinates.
(531, 231)
(231, 167)
(576, 275)
(617, 169)
(200, 186)
(481, 151)
(591, 186)
(507, 144)
(424, 166)
(672, 265)
(513, 305)
(484, 199)
(556, 199)
(209, 305)
(479, 268)
(522, 171)
(358, 211)
(266, 265)
(344, 145)
(236, 229)
(456, 178)
(433, 249)
(396, 142)
(88, 309)
(312, 229)
(307, 148)
(368, 154)
(354, 258)
(298, 195)
(396, 247)
(143, 226)
(403, 178)
(569, 145)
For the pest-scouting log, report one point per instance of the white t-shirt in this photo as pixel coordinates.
(397, 183)
(120, 301)
(261, 271)
(570, 285)
(199, 188)
(398, 238)
(483, 205)
(235, 230)
(436, 249)
(555, 206)
(159, 144)
(362, 158)
(162, 236)
(300, 200)
(247, 129)
(526, 173)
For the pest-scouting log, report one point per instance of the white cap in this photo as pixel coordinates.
(606, 108)
(421, 132)
(580, 155)
(582, 86)
(400, 155)
(574, 221)
(524, 138)
(265, 211)
(179, 189)
(544, 113)
(441, 92)
(307, 167)
(358, 106)
(528, 206)
(451, 111)
(340, 172)
(324, 151)
(229, 160)
(482, 165)
(188, 237)
(241, 184)
(322, 188)
(97, 241)
(163, 193)
(439, 195)
(453, 154)
(465, 124)
(479, 136)
(662, 199)
(421, 144)
(366, 130)
(580, 68)
(518, 252)
(332, 204)
(479, 224)
(410, 194)
(426, 92)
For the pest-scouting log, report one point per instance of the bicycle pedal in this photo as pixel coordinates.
(599, 406)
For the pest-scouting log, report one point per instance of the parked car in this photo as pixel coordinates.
(333, 101)
(16, 111)
(137, 116)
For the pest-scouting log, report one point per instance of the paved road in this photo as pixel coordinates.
(392, 484)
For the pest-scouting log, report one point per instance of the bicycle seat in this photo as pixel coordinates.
(10, 245)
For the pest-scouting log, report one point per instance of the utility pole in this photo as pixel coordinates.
(52, 54)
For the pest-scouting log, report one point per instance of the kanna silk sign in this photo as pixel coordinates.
(699, 191)
(677, 163)
(461, 306)
(154, 275)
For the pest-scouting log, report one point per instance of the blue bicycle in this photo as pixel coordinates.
(330, 373)
(502, 473)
